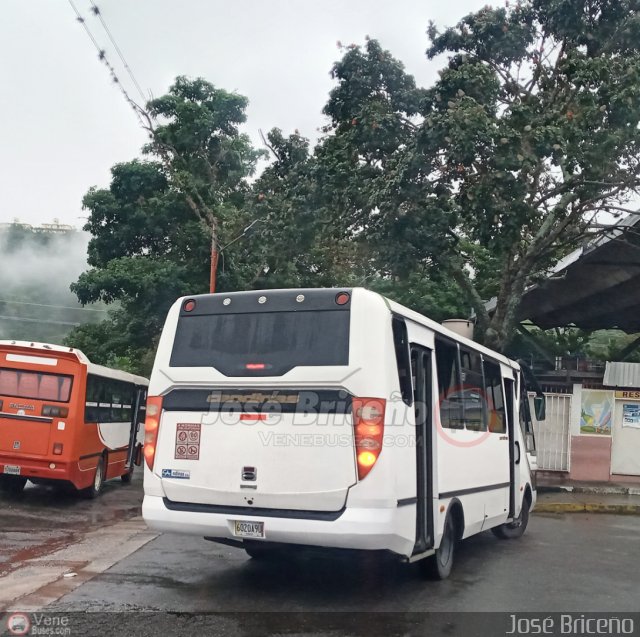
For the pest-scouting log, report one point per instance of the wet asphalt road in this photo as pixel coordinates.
(564, 563)
(43, 519)
(574, 562)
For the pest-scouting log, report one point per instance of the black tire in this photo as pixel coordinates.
(514, 530)
(98, 480)
(259, 550)
(126, 477)
(12, 485)
(439, 566)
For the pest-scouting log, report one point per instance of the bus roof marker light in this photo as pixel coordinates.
(262, 299)
(342, 298)
(227, 301)
(300, 298)
(189, 305)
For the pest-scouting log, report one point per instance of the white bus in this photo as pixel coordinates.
(333, 418)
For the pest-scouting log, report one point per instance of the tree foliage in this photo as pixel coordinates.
(441, 197)
(487, 176)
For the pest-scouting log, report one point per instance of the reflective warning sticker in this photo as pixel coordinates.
(187, 441)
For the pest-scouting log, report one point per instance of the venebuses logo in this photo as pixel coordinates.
(18, 624)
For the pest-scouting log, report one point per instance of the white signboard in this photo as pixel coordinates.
(631, 415)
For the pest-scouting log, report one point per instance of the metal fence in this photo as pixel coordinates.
(553, 439)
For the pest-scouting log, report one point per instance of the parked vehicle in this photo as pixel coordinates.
(333, 418)
(64, 419)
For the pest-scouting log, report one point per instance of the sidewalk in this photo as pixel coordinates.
(565, 501)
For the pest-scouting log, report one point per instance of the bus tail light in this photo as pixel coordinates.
(368, 421)
(55, 411)
(57, 448)
(151, 423)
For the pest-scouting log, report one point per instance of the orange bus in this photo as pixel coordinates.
(65, 420)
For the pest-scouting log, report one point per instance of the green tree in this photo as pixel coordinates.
(488, 176)
(153, 228)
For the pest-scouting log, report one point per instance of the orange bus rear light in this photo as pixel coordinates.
(368, 421)
(57, 448)
(151, 426)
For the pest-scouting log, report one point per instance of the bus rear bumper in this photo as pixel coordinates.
(354, 528)
(51, 470)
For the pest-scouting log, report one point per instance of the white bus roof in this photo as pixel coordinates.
(441, 329)
(92, 368)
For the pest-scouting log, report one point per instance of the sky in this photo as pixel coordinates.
(64, 124)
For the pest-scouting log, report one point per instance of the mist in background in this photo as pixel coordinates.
(37, 266)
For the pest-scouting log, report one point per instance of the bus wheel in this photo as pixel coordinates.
(12, 484)
(514, 530)
(98, 480)
(439, 566)
(126, 477)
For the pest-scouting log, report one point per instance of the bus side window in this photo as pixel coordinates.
(117, 396)
(129, 400)
(496, 417)
(451, 415)
(91, 410)
(142, 411)
(471, 391)
(401, 345)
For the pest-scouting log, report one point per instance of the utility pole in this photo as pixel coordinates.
(214, 267)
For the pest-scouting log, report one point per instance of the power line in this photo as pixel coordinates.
(97, 12)
(102, 56)
(34, 320)
(60, 307)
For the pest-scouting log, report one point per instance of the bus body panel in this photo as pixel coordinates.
(305, 463)
(465, 467)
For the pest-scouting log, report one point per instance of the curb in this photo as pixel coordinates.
(631, 490)
(576, 507)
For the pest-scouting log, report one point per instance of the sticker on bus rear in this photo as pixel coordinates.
(187, 441)
(176, 473)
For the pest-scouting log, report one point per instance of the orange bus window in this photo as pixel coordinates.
(49, 388)
(65, 388)
(8, 382)
(35, 385)
(28, 385)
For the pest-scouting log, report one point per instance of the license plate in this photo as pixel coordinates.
(12, 469)
(248, 529)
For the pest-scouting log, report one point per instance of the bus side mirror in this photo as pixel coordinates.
(539, 406)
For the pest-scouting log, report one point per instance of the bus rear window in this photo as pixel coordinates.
(20, 383)
(262, 343)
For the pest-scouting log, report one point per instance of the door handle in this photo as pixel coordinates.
(517, 452)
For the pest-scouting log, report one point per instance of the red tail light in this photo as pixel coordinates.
(57, 448)
(151, 424)
(368, 420)
(253, 417)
